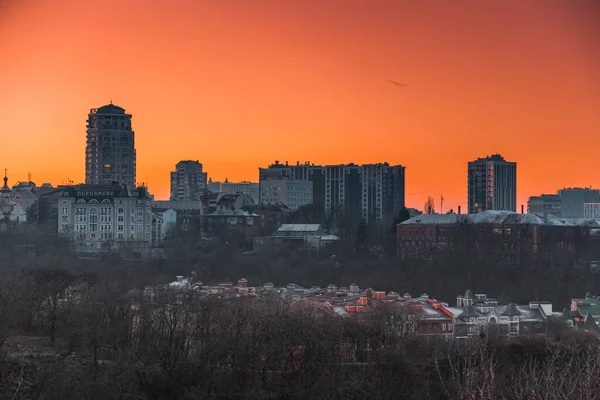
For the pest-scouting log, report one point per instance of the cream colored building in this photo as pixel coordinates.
(106, 217)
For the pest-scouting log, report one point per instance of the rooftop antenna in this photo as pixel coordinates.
(29, 177)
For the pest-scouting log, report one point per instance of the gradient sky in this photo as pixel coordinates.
(238, 84)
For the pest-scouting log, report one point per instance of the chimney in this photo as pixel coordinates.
(458, 210)
(522, 209)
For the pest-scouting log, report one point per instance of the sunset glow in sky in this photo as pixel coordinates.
(238, 84)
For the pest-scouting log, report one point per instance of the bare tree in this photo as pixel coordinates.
(429, 207)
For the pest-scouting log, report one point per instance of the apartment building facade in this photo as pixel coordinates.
(492, 184)
(351, 190)
(99, 218)
(110, 155)
(188, 181)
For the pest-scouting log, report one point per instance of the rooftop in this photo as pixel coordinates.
(493, 157)
(299, 228)
(232, 213)
(495, 217)
(110, 109)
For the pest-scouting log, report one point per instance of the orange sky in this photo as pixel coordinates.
(238, 84)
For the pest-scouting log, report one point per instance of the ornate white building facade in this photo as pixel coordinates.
(106, 217)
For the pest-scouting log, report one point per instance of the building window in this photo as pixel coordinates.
(120, 210)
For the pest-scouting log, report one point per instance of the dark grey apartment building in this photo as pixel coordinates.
(110, 156)
(572, 201)
(492, 184)
(355, 191)
(188, 181)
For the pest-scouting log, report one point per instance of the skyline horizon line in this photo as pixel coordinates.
(72, 182)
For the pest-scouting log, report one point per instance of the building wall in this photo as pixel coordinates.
(572, 200)
(292, 193)
(271, 219)
(188, 181)
(110, 149)
(544, 204)
(510, 240)
(356, 191)
(183, 205)
(249, 188)
(101, 217)
(591, 210)
(162, 223)
(233, 227)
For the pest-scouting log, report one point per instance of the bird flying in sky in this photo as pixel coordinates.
(397, 83)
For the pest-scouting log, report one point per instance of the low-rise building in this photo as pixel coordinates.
(584, 309)
(476, 314)
(219, 202)
(231, 225)
(272, 217)
(544, 204)
(164, 221)
(510, 234)
(189, 213)
(249, 188)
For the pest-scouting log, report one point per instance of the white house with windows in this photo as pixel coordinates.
(106, 217)
(163, 222)
(477, 314)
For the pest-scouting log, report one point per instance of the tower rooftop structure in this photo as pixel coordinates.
(110, 109)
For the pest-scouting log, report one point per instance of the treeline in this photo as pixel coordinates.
(66, 337)
(443, 274)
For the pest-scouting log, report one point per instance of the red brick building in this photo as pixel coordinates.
(505, 232)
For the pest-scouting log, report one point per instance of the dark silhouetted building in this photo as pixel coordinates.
(110, 150)
(188, 182)
(492, 184)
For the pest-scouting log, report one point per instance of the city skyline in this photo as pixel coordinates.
(321, 95)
